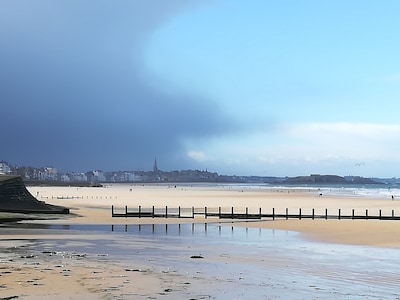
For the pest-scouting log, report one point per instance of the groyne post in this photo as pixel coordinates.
(205, 212)
(126, 211)
(380, 214)
(299, 213)
(339, 214)
(152, 212)
(366, 214)
(166, 211)
(313, 213)
(287, 212)
(260, 212)
(140, 211)
(192, 212)
(392, 213)
(232, 212)
(326, 214)
(352, 214)
(273, 213)
(247, 212)
(219, 212)
(112, 210)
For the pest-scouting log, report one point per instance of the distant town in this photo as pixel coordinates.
(50, 175)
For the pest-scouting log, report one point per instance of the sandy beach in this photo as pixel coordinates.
(93, 206)
(29, 273)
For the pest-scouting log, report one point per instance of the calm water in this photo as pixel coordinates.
(244, 263)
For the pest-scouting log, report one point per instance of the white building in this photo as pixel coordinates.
(99, 176)
(4, 168)
(50, 173)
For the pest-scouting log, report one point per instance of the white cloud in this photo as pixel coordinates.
(197, 155)
(328, 141)
(345, 130)
(304, 148)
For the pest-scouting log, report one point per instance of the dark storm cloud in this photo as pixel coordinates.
(75, 94)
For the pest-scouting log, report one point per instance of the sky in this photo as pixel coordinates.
(267, 88)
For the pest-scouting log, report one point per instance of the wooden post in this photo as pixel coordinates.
(126, 211)
(232, 212)
(219, 212)
(273, 213)
(380, 214)
(205, 212)
(192, 212)
(287, 211)
(247, 212)
(140, 211)
(152, 212)
(352, 214)
(299, 213)
(392, 213)
(313, 213)
(166, 211)
(260, 212)
(326, 214)
(179, 212)
(366, 214)
(339, 214)
(112, 210)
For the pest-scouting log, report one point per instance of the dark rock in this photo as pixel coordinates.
(15, 198)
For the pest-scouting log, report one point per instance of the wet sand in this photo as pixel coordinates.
(31, 273)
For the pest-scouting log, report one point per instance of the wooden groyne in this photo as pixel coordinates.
(246, 215)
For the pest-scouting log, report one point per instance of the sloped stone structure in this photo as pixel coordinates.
(14, 197)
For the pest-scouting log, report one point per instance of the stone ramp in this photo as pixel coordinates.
(14, 197)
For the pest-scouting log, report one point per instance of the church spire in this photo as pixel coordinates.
(155, 168)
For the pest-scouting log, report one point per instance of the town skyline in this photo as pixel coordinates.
(154, 174)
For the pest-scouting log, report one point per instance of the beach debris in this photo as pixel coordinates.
(134, 270)
(28, 256)
(102, 255)
(201, 297)
(50, 252)
(196, 256)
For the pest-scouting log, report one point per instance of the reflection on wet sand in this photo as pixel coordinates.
(235, 263)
